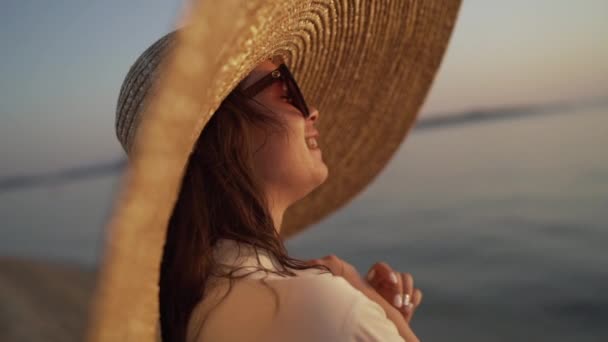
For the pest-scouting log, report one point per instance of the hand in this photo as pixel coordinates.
(396, 288)
(341, 268)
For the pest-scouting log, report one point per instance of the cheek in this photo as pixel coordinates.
(279, 152)
(281, 156)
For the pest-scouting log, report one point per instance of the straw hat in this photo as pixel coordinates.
(366, 65)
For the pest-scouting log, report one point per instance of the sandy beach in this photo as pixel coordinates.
(43, 300)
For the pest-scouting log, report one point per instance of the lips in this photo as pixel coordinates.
(313, 135)
(311, 142)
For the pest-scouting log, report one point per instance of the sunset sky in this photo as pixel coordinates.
(63, 63)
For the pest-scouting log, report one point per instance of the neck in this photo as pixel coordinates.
(277, 209)
(277, 217)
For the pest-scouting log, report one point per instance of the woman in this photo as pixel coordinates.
(222, 169)
(257, 156)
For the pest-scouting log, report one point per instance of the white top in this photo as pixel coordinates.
(312, 306)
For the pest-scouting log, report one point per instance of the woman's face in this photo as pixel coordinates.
(290, 167)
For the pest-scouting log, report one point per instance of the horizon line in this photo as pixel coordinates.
(439, 121)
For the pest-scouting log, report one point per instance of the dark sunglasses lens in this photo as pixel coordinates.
(296, 94)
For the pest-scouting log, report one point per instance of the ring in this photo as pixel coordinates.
(406, 300)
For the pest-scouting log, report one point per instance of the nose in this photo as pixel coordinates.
(314, 114)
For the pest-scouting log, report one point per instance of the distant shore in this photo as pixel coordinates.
(43, 300)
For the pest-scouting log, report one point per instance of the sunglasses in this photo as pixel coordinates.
(293, 91)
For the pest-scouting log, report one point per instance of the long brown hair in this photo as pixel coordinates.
(220, 197)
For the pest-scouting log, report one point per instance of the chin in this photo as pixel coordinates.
(321, 174)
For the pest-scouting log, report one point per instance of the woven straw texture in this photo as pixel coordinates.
(366, 65)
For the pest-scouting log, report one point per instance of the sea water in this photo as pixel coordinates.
(503, 224)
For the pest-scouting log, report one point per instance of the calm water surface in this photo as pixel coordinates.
(503, 224)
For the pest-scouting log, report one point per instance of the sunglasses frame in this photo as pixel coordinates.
(280, 73)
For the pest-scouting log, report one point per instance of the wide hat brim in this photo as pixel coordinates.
(366, 65)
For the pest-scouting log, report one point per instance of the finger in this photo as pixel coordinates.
(331, 257)
(313, 262)
(410, 308)
(384, 280)
(407, 281)
(417, 298)
(381, 273)
(408, 284)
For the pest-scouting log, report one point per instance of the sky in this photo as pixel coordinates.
(63, 63)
